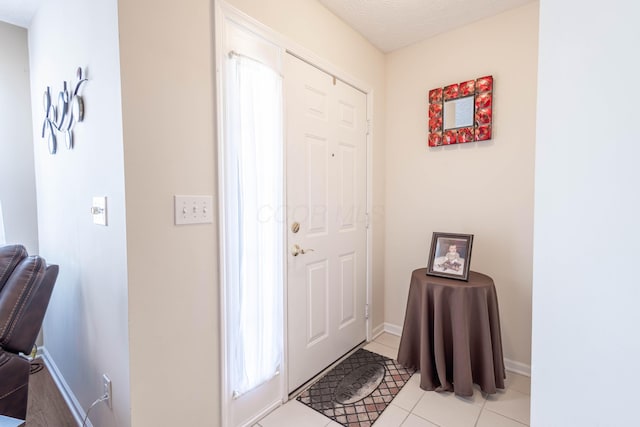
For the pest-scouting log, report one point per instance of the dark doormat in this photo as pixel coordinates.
(357, 390)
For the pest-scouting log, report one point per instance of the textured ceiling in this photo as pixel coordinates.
(392, 24)
(18, 12)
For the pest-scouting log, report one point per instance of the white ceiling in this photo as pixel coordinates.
(388, 24)
(18, 12)
(392, 24)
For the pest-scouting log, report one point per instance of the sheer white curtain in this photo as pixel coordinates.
(253, 185)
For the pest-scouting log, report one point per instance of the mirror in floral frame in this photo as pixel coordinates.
(461, 112)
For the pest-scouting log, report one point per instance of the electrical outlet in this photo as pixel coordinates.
(106, 389)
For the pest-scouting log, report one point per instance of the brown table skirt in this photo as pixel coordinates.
(452, 334)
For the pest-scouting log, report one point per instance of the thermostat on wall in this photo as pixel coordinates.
(99, 210)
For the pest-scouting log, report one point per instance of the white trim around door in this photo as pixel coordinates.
(225, 15)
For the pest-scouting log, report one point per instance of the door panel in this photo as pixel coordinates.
(317, 302)
(348, 288)
(326, 196)
(347, 115)
(347, 186)
(316, 102)
(317, 178)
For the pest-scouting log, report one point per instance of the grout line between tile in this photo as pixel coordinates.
(504, 390)
(396, 406)
(503, 415)
(516, 391)
(384, 345)
(403, 410)
(422, 418)
(416, 404)
(479, 415)
(405, 417)
(485, 397)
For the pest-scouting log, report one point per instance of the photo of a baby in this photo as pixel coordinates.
(448, 258)
(450, 255)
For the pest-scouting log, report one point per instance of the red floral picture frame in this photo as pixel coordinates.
(482, 91)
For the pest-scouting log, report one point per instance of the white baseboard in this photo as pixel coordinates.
(393, 329)
(517, 367)
(510, 365)
(377, 331)
(70, 399)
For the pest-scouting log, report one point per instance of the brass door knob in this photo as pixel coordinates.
(297, 250)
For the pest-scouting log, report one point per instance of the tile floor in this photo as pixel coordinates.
(414, 407)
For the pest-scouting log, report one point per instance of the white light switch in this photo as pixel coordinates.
(193, 209)
(99, 210)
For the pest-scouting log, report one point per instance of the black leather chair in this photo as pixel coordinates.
(26, 284)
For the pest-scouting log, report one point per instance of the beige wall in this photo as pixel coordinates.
(169, 148)
(310, 25)
(484, 188)
(168, 132)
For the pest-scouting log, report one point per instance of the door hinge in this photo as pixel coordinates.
(368, 126)
(366, 220)
(366, 311)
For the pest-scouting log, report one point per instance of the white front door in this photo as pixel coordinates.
(326, 133)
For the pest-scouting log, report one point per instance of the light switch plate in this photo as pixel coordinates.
(99, 210)
(193, 209)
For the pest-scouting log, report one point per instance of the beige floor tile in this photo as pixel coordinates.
(518, 382)
(392, 416)
(333, 424)
(410, 394)
(376, 347)
(447, 410)
(510, 403)
(389, 340)
(478, 397)
(491, 419)
(292, 414)
(415, 421)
